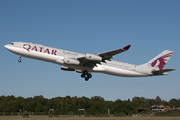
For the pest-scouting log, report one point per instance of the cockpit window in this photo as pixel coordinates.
(12, 43)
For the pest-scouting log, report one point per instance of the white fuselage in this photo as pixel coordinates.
(57, 56)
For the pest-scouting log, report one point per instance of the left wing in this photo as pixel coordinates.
(96, 58)
(109, 55)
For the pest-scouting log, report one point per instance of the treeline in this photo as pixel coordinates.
(38, 105)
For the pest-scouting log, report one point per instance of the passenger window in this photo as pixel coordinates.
(12, 43)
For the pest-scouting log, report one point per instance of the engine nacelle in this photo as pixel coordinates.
(93, 57)
(70, 61)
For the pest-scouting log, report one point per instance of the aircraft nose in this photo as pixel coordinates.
(7, 46)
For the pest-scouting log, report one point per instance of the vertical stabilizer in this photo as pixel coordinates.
(160, 61)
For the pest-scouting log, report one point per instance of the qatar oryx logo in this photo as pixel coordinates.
(161, 61)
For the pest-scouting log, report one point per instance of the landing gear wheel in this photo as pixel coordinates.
(86, 75)
(19, 60)
(89, 75)
(86, 78)
(82, 75)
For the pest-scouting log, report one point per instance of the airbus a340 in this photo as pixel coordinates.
(87, 63)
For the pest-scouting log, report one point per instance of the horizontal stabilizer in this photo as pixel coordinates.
(162, 72)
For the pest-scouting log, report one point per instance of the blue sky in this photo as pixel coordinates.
(89, 26)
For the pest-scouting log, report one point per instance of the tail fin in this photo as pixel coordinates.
(160, 61)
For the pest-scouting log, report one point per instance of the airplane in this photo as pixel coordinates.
(87, 63)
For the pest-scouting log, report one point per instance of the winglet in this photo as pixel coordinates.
(127, 47)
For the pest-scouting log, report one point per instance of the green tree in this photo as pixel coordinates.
(158, 100)
(174, 102)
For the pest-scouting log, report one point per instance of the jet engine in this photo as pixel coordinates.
(70, 61)
(93, 57)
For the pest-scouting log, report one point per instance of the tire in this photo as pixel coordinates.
(82, 75)
(89, 76)
(19, 60)
(86, 78)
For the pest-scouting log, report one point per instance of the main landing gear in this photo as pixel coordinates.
(19, 60)
(86, 75)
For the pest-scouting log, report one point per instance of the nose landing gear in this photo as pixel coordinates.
(19, 60)
(86, 75)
